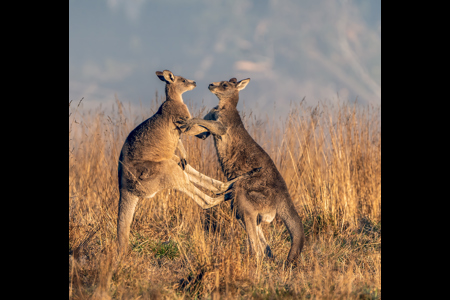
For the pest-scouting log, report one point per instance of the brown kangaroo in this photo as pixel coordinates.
(262, 196)
(148, 164)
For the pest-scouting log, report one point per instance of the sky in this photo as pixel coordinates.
(290, 49)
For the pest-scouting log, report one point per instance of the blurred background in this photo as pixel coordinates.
(321, 50)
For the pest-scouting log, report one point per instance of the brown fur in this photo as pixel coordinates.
(148, 164)
(263, 195)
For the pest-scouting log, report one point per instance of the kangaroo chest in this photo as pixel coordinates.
(221, 143)
(230, 152)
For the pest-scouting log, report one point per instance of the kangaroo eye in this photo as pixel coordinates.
(184, 80)
(225, 85)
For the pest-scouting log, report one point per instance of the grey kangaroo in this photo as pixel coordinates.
(148, 164)
(260, 197)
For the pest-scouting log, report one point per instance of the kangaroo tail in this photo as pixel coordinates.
(294, 225)
(127, 206)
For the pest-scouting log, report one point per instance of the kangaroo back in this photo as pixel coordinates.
(156, 138)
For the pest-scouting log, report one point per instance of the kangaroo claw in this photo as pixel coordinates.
(183, 163)
(225, 188)
(228, 196)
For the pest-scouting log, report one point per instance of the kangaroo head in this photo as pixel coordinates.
(175, 85)
(228, 91)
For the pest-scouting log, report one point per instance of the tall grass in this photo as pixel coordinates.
(330, 158)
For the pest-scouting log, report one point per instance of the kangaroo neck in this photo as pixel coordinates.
(228, 103)
(228, 112)
(172, 94)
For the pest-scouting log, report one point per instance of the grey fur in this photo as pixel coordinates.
(263, 195)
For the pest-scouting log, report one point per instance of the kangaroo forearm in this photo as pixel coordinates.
(214, 127)
(196, 130)
(176, 158)
(181, 148)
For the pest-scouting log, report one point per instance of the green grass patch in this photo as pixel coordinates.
(158, 249)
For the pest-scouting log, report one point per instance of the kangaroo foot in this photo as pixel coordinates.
(228, 196)
(292, 263)
(268, 253)
(229, 184)
(225, 188)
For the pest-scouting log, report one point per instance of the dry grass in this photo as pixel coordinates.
(330, 158)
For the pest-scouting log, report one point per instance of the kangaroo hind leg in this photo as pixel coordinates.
(203, 180)
(249, 222)
(265, 248)
(203, 200)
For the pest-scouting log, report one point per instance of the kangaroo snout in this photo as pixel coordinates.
(211, 86)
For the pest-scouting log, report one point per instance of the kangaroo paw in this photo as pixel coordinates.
(256, 170)
(248, 174)
(183, 163)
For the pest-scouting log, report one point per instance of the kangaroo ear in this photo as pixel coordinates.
(242, 84)
(233, 80)
(160, 75)
(166, 76)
